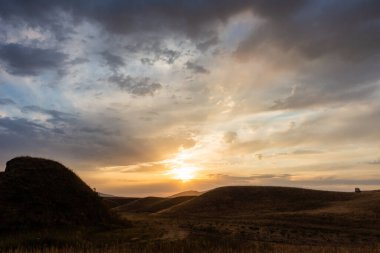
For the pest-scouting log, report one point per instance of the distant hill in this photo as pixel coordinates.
(40, 193)
(105, 195)
(112, 202)
(152, 204)
(258, 200)
(186, 193)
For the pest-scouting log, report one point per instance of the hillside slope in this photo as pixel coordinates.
(112, 202)
(40, 193)
(186, 193)
(152, 204)
(249, 200)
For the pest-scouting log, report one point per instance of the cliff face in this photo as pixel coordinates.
(40, 193)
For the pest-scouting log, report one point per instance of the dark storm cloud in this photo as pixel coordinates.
(112, 60)
(21, 126)
(7, 101)
(136, 86)
(196, 19)
(314, 27)
(121, 17)
(22, 60)
(154, 50)
(168, 55)
(317, 28)
(206, 44)
(195, 68)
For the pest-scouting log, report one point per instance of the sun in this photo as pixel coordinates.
(183, 173)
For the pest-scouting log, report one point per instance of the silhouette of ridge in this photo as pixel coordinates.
(41, 193)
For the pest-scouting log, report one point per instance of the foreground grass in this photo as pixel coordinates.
(156, 234)
(259, 248)
(108, 242)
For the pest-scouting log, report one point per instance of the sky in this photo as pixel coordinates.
(155, 97)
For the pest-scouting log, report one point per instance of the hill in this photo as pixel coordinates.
(40, 193)
(269, 214)
(257, 200)
(104, 195)
(152, 204)
(186, 193)
(112, 202)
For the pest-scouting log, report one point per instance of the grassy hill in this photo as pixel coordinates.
(186, 193)
(258, 200)
(40, 193)
(112, 202)
(152, 204)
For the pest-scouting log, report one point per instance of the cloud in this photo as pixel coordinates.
(193, 19)
(306, 152)
(330, 49)
(375, 162)
(318, 28)
(7, 101)
(153, 49)
(249, 178)
(131, 189)
(206, 44)
(55, 116)
(136, 86)
(22, 60)
(258, 65)
(328, 81)
(230, 137)
(168, 55)
(96, 130)
(147, 61)
(195, 68)
(320, 96)
(21, 126)
(78, 60)
(145, 167)
(112, 60)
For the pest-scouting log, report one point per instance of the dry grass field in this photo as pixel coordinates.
(266, 248)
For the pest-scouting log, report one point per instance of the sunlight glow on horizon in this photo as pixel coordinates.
(184, 174)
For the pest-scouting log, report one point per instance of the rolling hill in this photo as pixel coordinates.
(40, 193)
(112, 202)
(152, 204)
(272, 214)
(186, 193)
(260, 200)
